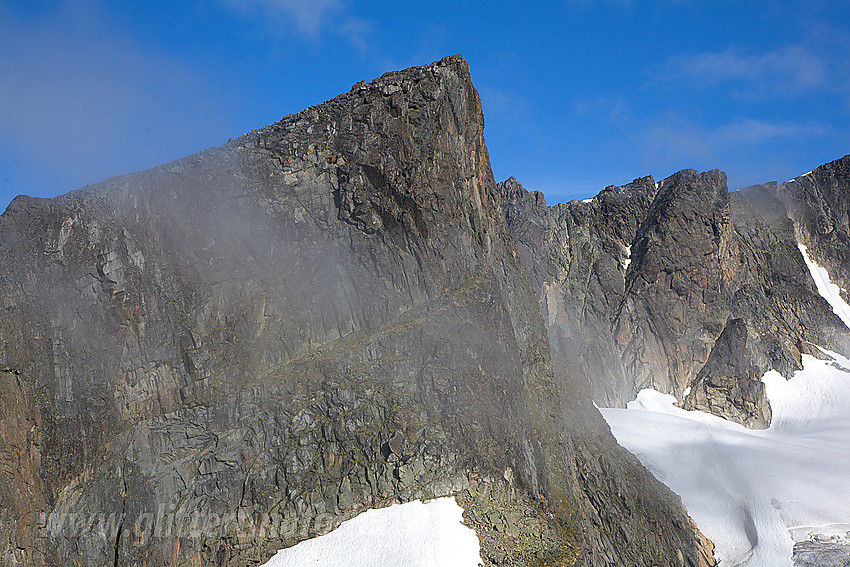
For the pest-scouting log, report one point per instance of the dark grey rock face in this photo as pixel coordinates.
(677, 287)
(822, 552)
(682, 285)
(730, 383)
(236, 351)
(577, 255)
(819, 203)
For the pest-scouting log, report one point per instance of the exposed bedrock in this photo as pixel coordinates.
(684, 287)
(225, 355)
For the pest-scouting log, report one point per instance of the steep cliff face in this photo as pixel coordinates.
(819, 203)
(236, 351)
(676, 285)
(682, 287)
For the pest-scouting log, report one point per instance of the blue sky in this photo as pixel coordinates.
(577, 94)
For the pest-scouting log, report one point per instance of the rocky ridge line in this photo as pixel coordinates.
(236, 351)
(684, 287)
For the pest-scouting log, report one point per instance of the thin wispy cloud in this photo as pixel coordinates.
(751, 132)
(310, 20)
(505, 104)
(429, 42)
(677, 137)
(630, 5)
(591, 4)
(307, 18)
(615, 109)
(785, 71)
(673, 140)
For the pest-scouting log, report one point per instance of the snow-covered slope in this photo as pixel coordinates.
(826, 288)
(754, 492)
(414, 534)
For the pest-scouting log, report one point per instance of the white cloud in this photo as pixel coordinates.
(307, 17)
(786, 71)
(747, 131)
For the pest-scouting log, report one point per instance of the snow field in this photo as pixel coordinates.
(754, 492)
(414, 534)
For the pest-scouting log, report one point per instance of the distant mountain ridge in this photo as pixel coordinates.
(222, 356)
(684, 287)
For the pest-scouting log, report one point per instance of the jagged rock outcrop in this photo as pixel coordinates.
(730, 383)
(677, 286)
(683, 287)
(819, 203)
(233, 352)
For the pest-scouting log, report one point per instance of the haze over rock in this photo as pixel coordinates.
(236, 351)
(683, 287)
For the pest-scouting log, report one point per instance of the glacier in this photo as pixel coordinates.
(757, 493)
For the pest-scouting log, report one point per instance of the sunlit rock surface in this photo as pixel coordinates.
(223, 356)
(681, 286)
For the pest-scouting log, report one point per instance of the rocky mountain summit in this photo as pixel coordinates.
(684, 287)
(214, 359)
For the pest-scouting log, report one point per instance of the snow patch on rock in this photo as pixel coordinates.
(826, 288)
(415, 534)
